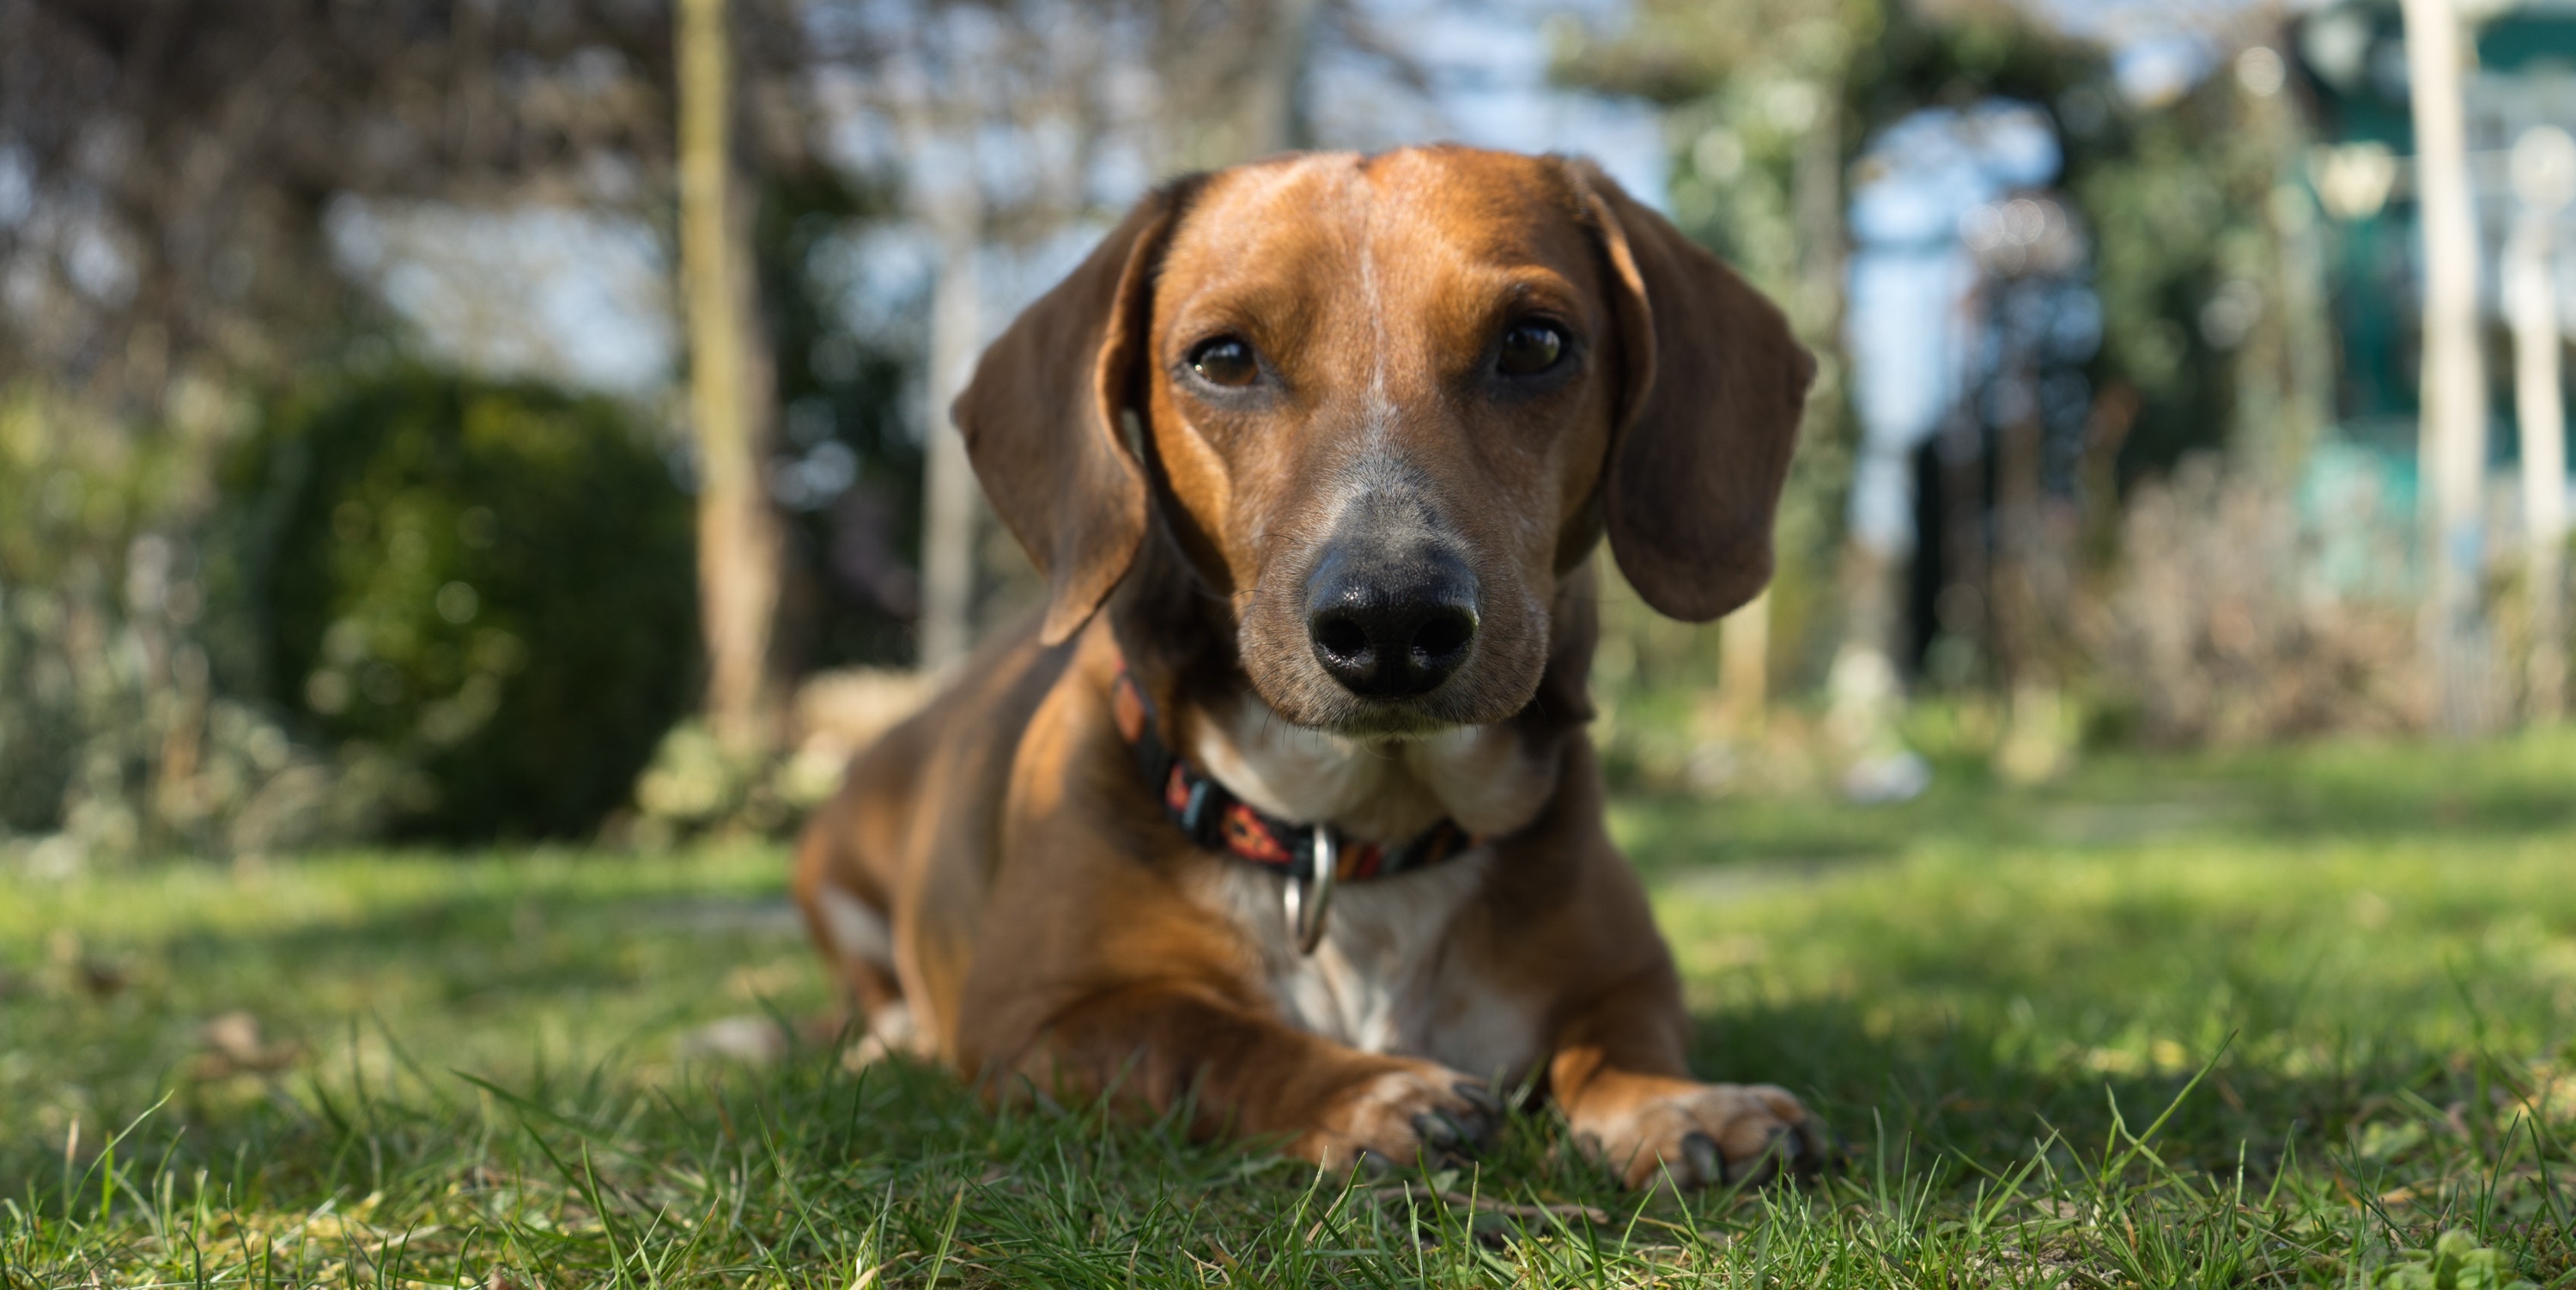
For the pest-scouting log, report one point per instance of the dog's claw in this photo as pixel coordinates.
(1710, 1135)
(1820, 1153)
(1483, 1099)
(1706, 1165)
(1448, 1131)
(1436, 1129)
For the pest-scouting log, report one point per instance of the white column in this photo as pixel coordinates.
(2453, 431)
(2544, 179)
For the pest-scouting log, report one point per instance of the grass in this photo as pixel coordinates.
(2272, 1019)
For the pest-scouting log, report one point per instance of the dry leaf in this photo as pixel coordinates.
(234, 1045)
(100, 978)
(747, 1038)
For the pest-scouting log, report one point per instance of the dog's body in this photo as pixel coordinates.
(1332, 440)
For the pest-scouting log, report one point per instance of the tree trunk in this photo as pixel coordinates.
(1238, 100)
(2451, 448)
(730, 392)
(1816, 189)
(1744, 668)
(2034, 746)
(950, 499)
(1269, 110)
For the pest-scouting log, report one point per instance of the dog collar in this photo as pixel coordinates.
(1314, 857)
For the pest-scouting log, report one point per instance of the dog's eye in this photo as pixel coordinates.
(1227, 360)
(1530, 348)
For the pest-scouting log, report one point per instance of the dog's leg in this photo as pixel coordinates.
(1248, 1075)
(1619, 1074)
(856, 938)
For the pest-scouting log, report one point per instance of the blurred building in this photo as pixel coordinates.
(2351, 57)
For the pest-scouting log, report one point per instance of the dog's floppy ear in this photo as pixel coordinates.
(1041, 418)
(1714, 387)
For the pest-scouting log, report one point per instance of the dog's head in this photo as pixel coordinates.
(1384, 404)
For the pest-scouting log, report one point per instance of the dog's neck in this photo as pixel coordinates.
(1179, 639)
(1487, 778)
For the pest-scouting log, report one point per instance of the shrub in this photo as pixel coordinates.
(112, 741)
(490, 584)
(2235, 621)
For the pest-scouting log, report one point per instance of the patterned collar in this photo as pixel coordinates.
(1217, 820)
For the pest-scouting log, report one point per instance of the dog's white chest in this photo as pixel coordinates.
(1383, 980)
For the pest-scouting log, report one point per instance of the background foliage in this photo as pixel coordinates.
(491, 586)
(79, 498)
(114, 739)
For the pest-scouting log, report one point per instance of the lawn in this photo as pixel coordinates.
(2264, 1019)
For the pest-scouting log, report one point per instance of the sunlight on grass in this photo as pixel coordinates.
(2279, 1018)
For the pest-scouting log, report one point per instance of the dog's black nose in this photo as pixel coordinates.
(1391, 627)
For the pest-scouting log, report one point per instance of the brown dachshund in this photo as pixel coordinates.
(1305, 828)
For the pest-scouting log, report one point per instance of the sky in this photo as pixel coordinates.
(2159, 48)
(1487, 64)
(1929, 172)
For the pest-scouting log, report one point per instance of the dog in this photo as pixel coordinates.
(1284, 809)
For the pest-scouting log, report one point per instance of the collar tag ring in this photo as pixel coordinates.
(1307, 907)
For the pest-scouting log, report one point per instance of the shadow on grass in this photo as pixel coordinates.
(803, 1170)
(375, 1007)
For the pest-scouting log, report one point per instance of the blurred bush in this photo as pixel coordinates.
(113, 737)
(694, 788)
(73, 495)
(2225, 624)
(489, 588)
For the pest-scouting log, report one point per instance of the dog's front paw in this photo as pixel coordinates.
(1392, 1116)
(1702, 1134)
